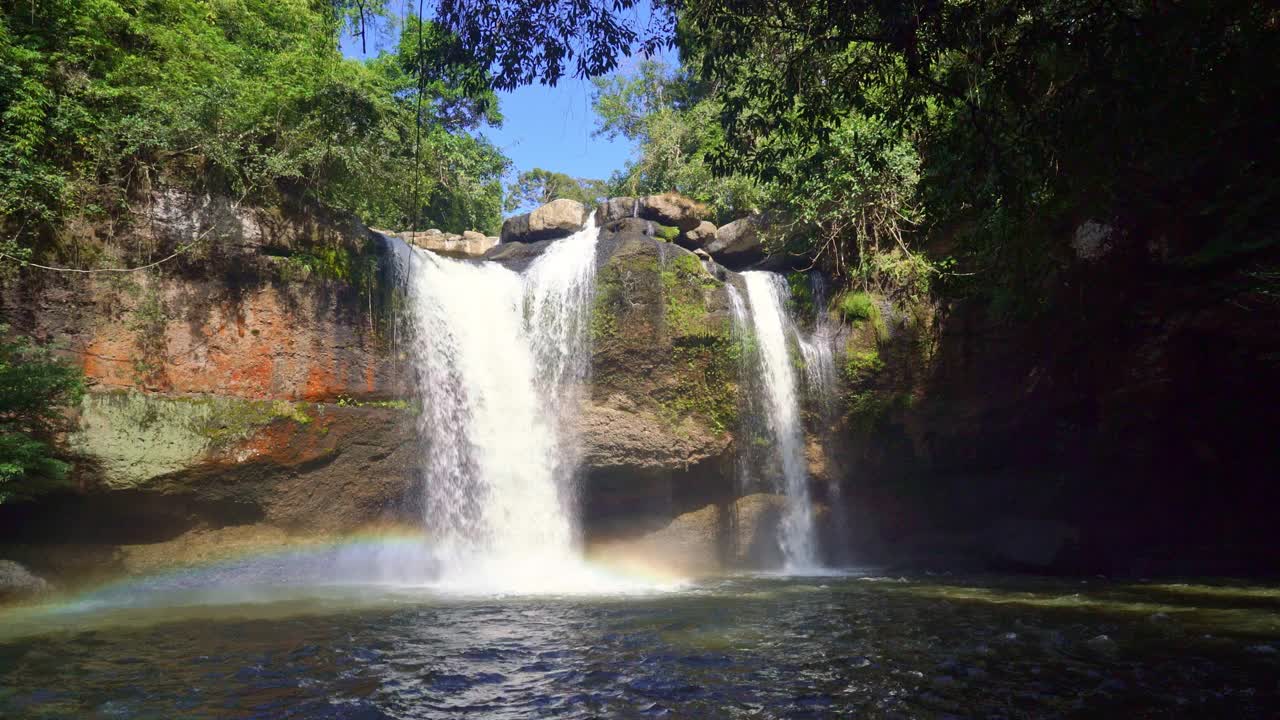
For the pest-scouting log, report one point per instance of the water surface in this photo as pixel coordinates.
(750, 646)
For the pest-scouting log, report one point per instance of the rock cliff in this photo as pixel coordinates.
(256, 387)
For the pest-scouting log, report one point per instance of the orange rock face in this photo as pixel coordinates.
(297, 341)
(251, 313)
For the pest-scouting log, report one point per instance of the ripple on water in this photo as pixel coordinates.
(752, 646)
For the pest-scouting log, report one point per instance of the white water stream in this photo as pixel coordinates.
(501, 360)
(767, 293)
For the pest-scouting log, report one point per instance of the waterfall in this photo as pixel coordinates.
(766, 293)
(821, 393)
(501, 361)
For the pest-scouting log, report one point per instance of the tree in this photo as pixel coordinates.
(538, 187)
(531, 41)
(673, 119)
(1025, 113)
(35, 388)
(102, 101)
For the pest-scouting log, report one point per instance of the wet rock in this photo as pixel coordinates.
(615, 436)
(1103, 645)
(696, 238)
(615, 209)
(738, 244)
(517, 255)
(16, 582)
(630, 226)
(556, 219)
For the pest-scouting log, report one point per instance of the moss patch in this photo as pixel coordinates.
(134, 437)
(665, 232)
(855, 307)
(684, 285)
(707, 387)
(622, 286)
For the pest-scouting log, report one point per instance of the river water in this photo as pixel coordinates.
(743, 646)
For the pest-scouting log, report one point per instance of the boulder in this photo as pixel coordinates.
(739, 534)
(469, 244)
(238, 459)
(17, 582)
(698, 237)
(616, 433)
(556, 219)
(617, 208)
(630, 226)
(517, 255)
(673, 209)
(738, 244)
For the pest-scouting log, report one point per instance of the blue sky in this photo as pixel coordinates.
(546, 127)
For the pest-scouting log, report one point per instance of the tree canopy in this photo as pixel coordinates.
(538, 186)
(104, 100)
(991, 128)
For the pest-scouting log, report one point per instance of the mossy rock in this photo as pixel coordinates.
(134, 437)
(662, 334)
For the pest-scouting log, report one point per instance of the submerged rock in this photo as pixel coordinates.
(556, 219)
(1102, 645)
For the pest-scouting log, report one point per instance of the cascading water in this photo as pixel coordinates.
(766, 293)
(820, 383)
(501, 360)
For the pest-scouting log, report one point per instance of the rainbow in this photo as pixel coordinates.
(274, 575)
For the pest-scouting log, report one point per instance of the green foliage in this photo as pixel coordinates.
(800, 297)
(861, 365)
(978, 124)
(529, 41)
(231, 420)
(844, 201)
(348, 401)
(677, 134)
(855, 306)
(35, 389)
(105, 100)
(538, 187)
